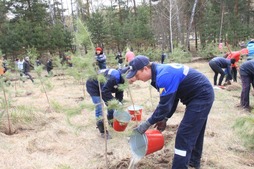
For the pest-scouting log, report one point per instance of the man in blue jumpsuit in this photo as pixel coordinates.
(113, 79)
(247, 77)
(217, 64)
(177, 82)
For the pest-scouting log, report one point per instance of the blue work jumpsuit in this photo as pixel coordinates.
(217, 64)
(177, 82)
(247, 78)
(113, 79)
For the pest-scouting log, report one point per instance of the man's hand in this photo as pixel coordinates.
(142, 127)
(161, 125)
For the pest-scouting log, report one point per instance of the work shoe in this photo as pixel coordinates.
(222, 87)
(100, 125)
(110, 123)
(193, 166)
(108, 136)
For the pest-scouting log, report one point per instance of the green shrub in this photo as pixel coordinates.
(211, 48)
(180, 56)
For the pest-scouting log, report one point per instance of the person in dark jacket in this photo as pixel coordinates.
(113, 79)
(177, 82)
(100, 58)
(26, 68)
(49, 66)
(217, 64)
(247, 78)
(163, 57)
(119, 57)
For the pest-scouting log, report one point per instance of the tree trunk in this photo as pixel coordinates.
(221, 21)
(190, 24)
(88, 8)
(180, 34)
(135, 7)
(170, 26)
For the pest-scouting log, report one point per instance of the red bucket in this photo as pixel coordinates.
(135, 112)
(121, 120)
(147, 143)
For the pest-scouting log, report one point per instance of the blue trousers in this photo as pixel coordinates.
(98, 108)
(217, 70)
(190, 134)
(245, 94)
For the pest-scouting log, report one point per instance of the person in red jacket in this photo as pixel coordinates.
(233, 55)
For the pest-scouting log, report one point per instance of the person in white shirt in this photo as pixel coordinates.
(20, 66)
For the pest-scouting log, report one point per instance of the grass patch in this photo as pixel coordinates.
(22, 114)
(244, 127)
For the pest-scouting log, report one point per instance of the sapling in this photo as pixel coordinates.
(45, 84)
(5, 101)
(89, 68)
(60, 68)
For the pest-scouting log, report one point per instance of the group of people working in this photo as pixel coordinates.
(174, 82)
(114, 77)
(227, 67)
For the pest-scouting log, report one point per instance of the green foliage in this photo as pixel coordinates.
(82, 36)
(101, 78)
(96, 26)
(64, 166)
(209, 25)
(180, 56)
(123, 87)
(59, 38)
(32, 27)
(211, 48)
(39, 70)
(84, 66)
(114, 104)
(22, 114)
(32, 53)
(70, 111)
(45, 83)
(153, 53)
(244, 127)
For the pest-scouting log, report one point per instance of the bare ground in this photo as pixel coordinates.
(57, 140)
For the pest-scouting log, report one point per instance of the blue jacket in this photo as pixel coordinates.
(247, 69)
(250, 47)
(101, 60)
(113, 79)
(177, 82)
(223, 63)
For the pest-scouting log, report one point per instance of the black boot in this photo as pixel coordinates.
(110, 121)
(100, 126)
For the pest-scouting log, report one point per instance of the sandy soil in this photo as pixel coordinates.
(65, 139)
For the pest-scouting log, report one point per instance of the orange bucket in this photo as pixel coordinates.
(121, 120)
(135, 112)
(147, 143)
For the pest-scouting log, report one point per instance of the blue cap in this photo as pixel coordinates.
(138, 63)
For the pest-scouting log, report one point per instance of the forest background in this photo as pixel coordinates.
(184, 29)
(149, 26)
